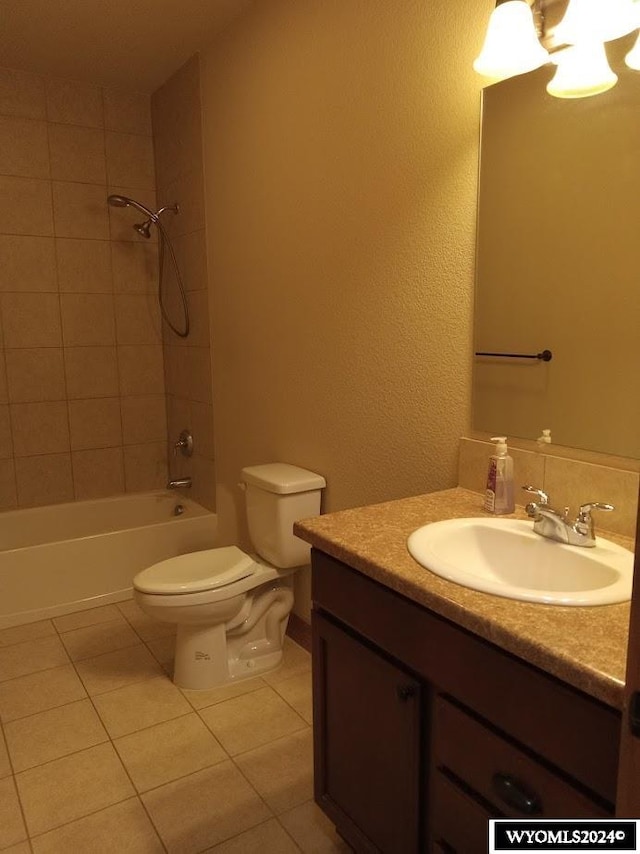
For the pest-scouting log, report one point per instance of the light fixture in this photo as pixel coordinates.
(511, 45)
(583, 70)
(595, 20)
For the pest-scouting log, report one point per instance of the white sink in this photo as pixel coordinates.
(505, 557)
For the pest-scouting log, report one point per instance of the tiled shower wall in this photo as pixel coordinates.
(82, 410)
(177, 132)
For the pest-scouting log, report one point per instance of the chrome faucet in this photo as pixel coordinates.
(181, 483)
(556, 525)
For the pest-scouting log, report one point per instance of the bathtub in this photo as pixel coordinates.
(66, 557)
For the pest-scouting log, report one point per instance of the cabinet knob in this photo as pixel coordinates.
(515, 794)
(405, 692)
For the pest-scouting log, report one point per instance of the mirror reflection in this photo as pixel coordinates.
(558, 263)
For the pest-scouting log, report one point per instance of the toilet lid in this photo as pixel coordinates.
(195, 572)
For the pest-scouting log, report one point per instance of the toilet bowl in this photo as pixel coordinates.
(231, 608)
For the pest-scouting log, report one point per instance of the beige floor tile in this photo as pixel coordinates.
(20, 848)
(5, 765)
(313, 831)
(167, 751)
(122, 829)
(163, 649)
(95, 640)
(201, 699)
(90, 617)
(295, 661)
(27, 632)
(204, 809)
(144, 704)
(52, 734)
(30, 657)
(39, 691)
(246, 722)
(12, 828)
(117, 669)
(267, 838)
(146, 627)
(297, 692)
(72, 787)
(282, 771)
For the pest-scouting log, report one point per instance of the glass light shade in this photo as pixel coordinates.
(583, 70)
(511, 44)
(596, 20)
(632, 59)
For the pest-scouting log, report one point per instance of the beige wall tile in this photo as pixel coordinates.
(130, 160)
(20, 659)
(281, 772)
(141, 370)
(44, 480)
(191, 254)
(144, 419)
(199, 374)
(27, 263)
(135, 267)
(4, 393)
(23, 147)
(87, 319)
(26, 206)
(35, 375)
(117, 828)
(22, 94)
(5, 765)
(37, 692)
(198, 302)
(39, 428)
(137, 319)
(95, 423)
(54, 733)
(205, 808)
(188, 192)
(167, 751)
(121, 220)
(204, 482)
(91, 372)
(127, 112)
(175, 100)
(139, 706)
(89, 641)
(8, 492)
(77, 154)
(84, 266)
(71, 102)
(98, 473)
(145, 467)
(178, 416)
(176, 371)
(201, 421)
(117, 669)
(31, 320)
(269, 836)
(80, 210)
(6, 443)
(71, 787)
(12, 829)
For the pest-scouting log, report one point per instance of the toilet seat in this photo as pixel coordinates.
(196, 572)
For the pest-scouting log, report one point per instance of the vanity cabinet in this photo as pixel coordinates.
(423, 731)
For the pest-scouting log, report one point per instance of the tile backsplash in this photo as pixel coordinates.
(568, 481)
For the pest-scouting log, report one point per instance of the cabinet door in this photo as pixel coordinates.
(367, 721)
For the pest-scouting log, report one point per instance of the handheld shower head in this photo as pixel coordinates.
(125, 202)
(118, 201)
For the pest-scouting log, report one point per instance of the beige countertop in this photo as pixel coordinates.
(585, 647)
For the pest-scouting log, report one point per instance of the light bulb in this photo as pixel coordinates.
(595, 20)
(583, 70)
(511, 44)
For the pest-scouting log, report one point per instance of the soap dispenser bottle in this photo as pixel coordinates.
(499, 493)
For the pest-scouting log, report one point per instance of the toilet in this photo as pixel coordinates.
(231, 608)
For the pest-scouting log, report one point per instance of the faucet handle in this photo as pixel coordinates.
(544, 498)
(585, 509)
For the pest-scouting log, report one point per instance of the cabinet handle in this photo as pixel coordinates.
(515, 794)
(405, 692)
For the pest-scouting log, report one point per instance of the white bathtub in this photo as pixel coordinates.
(66, 557)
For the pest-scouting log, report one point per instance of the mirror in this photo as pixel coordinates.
(558, 264)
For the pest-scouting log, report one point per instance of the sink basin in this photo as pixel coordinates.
(506, 558)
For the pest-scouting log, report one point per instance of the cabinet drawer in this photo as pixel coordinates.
(502, 773)
(458, 823)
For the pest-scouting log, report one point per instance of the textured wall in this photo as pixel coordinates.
(341, 143)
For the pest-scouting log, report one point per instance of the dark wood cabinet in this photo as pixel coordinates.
(423, 731)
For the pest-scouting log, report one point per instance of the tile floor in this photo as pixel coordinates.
(100, 752)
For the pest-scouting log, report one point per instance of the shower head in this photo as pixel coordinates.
(144, 228)
(125, 202)
(118, 201)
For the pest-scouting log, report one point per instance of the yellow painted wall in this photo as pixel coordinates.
(341, 145)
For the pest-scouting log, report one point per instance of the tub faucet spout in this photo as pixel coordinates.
(181, 483)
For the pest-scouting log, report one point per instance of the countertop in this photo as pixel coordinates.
(585, 647)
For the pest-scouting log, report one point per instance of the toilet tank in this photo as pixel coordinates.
(277, 495)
